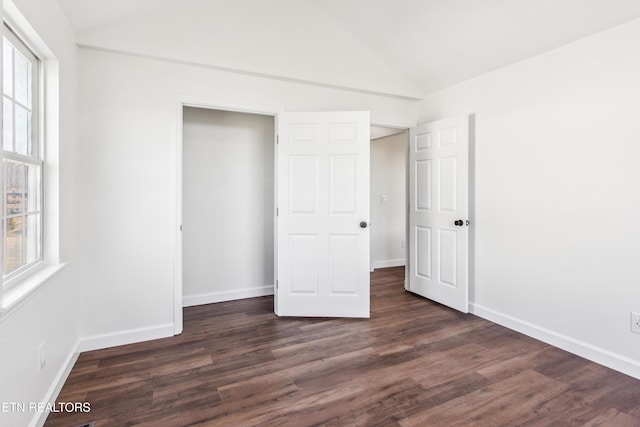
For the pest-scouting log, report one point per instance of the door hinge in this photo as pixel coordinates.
(277, 139)
(180, 227)
(276, 284)
(277, 211)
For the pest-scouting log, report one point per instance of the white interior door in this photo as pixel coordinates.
(322, 199)
(439, 211)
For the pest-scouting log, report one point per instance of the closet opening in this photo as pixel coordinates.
(227, 205)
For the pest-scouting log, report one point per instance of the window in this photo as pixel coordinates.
(22, 162)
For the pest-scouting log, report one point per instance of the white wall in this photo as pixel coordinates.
(556, 194)
(389, 220)
(50, 315)
(255, 36)
(129, 124)
(227, 205)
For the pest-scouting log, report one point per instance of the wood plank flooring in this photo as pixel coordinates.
(414, 363)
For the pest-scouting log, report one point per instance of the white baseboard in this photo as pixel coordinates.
(209, 298)
(595, 354)
(57, 384)
(97, 342)
(400, 262)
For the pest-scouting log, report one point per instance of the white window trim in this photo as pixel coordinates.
(23, 287)
(32, 281)
(37, 148)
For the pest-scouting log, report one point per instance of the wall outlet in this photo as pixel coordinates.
(42, 360)
(635, 322)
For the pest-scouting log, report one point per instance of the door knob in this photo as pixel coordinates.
(363, 224)
(458, 222)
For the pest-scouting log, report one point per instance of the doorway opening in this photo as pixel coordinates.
(227, 206)
(388, 199)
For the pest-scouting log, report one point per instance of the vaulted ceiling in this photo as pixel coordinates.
(428, 44)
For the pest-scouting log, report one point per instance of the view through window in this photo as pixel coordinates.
(21, 159)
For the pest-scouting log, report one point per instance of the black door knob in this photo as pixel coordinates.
(458, 222)
(363, 224)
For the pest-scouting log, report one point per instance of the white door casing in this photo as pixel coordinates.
(439, 211)
(322, 196)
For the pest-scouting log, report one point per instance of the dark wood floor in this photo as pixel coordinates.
(414, 363)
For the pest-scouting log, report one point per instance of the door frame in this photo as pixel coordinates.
(471, 196)
(193, 102)
(405, 128)
(178, 193)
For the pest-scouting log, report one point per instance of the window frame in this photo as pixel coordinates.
(35, 158)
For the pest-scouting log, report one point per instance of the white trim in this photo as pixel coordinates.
(213, 297)
(400, 262)
(177, 242)
(131, 336)
(16, 20)
(28, 285)
(48, 136)
(19, 47)
(598, 355)
(181, 301)
(56, 386)
(265, 110)
(396, 125)
(186, 101)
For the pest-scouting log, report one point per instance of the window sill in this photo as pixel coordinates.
(28, 286)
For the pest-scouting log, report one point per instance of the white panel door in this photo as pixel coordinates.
(322, 199)
(439, 212)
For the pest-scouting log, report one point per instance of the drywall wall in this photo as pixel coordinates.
(255, 36)
(227, 205)
(49, 316)
(556, 194)
(127, 167)
(389, 201)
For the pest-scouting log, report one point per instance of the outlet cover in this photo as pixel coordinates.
(635, 322)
